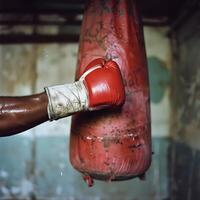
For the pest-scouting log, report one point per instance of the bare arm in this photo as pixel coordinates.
(18, 114)
(96, 89)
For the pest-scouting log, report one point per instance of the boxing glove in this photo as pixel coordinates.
(100, 86)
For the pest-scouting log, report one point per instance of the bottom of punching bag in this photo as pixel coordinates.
(105, 177)
(109, 177)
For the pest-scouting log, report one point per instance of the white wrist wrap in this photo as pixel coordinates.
(67, 99)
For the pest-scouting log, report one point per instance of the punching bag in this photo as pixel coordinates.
(114, 144)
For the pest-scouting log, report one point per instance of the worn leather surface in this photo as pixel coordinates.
(114, 144)
(104, 84)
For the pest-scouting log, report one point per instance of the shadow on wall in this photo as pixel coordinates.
(159, 78)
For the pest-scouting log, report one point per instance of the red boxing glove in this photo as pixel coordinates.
(104, 84)
(100, 85)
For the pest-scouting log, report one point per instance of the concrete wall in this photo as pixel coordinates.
(185, 117)
(159, 62)
(35, 163)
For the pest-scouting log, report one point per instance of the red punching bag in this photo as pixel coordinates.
(114, 144)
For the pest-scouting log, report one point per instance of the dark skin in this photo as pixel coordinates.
(18, 114)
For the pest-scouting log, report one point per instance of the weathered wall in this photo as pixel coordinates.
(185, 117)
(159, 62)
(35, 163)
(18, 75)
(186, 84)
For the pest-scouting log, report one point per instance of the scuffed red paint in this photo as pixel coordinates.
(114, 144)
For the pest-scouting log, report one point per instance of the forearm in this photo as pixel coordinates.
(95, 89)
(18, 114)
